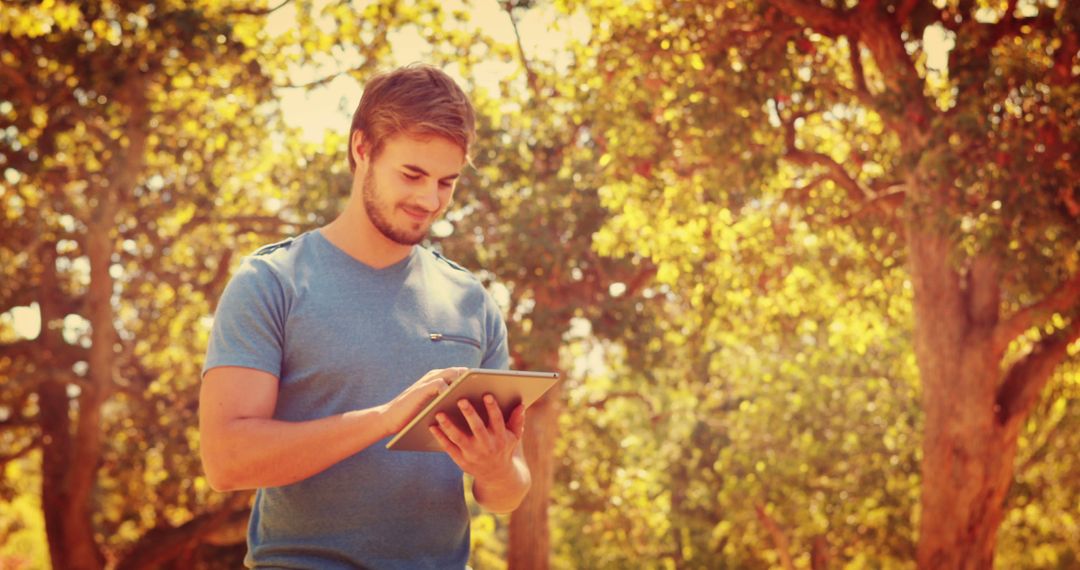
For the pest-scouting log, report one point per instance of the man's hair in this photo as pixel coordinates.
(418, 100)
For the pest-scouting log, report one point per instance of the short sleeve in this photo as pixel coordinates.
(497, 352)
(249, 323)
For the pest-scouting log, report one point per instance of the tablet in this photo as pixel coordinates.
(509, 387)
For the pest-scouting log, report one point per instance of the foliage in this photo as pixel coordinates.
(701, 211)
(833, 117)
(792, 395)
(22, 527)
(1041, 530)
(142, 151)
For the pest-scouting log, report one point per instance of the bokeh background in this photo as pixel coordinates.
(810, 269)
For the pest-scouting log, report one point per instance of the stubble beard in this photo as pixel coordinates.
(380, 214)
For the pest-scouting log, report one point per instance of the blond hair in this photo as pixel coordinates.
(418, 100)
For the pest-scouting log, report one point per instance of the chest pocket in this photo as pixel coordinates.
(455, 349)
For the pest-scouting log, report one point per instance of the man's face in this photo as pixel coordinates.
(410, 184)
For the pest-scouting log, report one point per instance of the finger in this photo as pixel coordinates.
(444, 379)
(433, 374)
(453, 433)
(496, 423)
(517, 421)
(476, 423)
(447, 375)
(448, 446)
(454, 373)
(433, 387)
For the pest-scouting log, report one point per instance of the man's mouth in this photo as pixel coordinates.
(416, 214)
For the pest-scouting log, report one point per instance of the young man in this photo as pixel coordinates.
(325, 344)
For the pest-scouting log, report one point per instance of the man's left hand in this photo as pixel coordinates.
(487, 453)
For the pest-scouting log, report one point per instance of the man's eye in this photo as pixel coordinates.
(412, 176)
(446, 184)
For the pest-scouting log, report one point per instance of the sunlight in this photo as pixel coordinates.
(545, 35)
(25, 321)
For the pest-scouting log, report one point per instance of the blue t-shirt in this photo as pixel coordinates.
(343, 336)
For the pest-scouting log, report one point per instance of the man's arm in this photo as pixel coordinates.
(243, 447)
(492, 454)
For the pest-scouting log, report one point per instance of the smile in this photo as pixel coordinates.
(417, 215)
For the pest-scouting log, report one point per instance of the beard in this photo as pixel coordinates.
(381, 212)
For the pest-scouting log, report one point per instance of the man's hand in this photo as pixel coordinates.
(487, 451)
(398, 412)
(491, 453)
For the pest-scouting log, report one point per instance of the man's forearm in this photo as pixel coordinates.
(249, 453)
(505, 492)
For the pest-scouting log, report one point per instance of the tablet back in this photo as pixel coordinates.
(509, 387)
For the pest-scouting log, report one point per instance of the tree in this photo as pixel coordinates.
(764, 412)
(843, 113)
(523, 219)
(173, 195)
(533, 210)
(737, 205)
(136, 137)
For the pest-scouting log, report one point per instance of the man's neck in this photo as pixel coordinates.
(353, 233)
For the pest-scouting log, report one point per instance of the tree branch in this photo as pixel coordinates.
(239, 223)
(19, 348)
(8, 458)
(217, 283)
(15, 423)
(640, 279)
(1040, 452)
(1065, 53)
(255, 11)
(887, 202)
(1009, 25)
(24, 92)
(200, 220)
(855, 56)
(29, 294)
(1010, 13)
(798, 194)
(16, 418)
(836, 172)
(602, 403)
(819, 553)
(532, 79)
(978, 53)
(1025, 380)
(780, 542)
(1066, 296)
(55, 363)
(903, 12)
(324, 80)
(824, 20)
(162, 544)
(882, 37)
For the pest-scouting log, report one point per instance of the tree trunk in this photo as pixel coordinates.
(71, 456)
(530, 539)
(967, 453)
(55, 450)
(164, 544)
(71, 541)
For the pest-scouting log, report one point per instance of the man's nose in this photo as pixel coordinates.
(429, 196)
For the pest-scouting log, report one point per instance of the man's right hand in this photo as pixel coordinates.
(398, 412)
(244, 447)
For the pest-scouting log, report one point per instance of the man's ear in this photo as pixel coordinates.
(357, 148)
